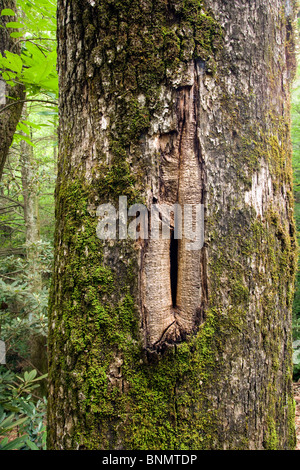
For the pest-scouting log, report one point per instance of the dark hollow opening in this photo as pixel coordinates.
(173, 267)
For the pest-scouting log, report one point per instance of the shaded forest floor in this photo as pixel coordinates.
(297, 400)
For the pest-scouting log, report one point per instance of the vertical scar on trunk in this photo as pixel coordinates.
(174, 277)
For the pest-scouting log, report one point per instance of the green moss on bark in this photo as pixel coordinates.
(113, 393)
(168, 396)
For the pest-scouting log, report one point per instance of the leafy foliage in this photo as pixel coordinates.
(19, 414)
(23, 306)
(22, 311)
(36, 66)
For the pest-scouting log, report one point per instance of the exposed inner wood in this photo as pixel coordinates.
(173, 290)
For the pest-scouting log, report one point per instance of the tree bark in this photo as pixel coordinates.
(188, 103)
(8, 95)
(31, 208)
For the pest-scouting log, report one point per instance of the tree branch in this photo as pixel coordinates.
(27, 101)
(17, 203)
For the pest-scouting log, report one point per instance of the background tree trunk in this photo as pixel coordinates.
(11, 116)
(174, 102)
(31, 210)
(37, 343)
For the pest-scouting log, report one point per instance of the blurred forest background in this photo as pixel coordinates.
(27, 225)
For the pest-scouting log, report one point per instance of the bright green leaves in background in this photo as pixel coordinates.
(33, 25)
(39, 69)
(7, 12)
(18, 413)
(35, 67)
(29, 175)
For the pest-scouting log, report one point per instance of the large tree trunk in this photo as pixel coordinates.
(174, 102)
(9, 117)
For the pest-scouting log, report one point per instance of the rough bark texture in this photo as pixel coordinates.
(171, 102)
(31, 208)
(10, 117)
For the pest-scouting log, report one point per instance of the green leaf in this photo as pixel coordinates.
(9, 423)
(20, 137)
(10, 407)
(27, 407)
(33, 54)
(13, 61)
(38, 73)
(40, 378)
(29, 376)
(6, 422)
(32, 445)
(22, 127)
(7, 12)
(33, 125)
(16, 34)
(14, 24)
(15, 444)
(51, 84)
